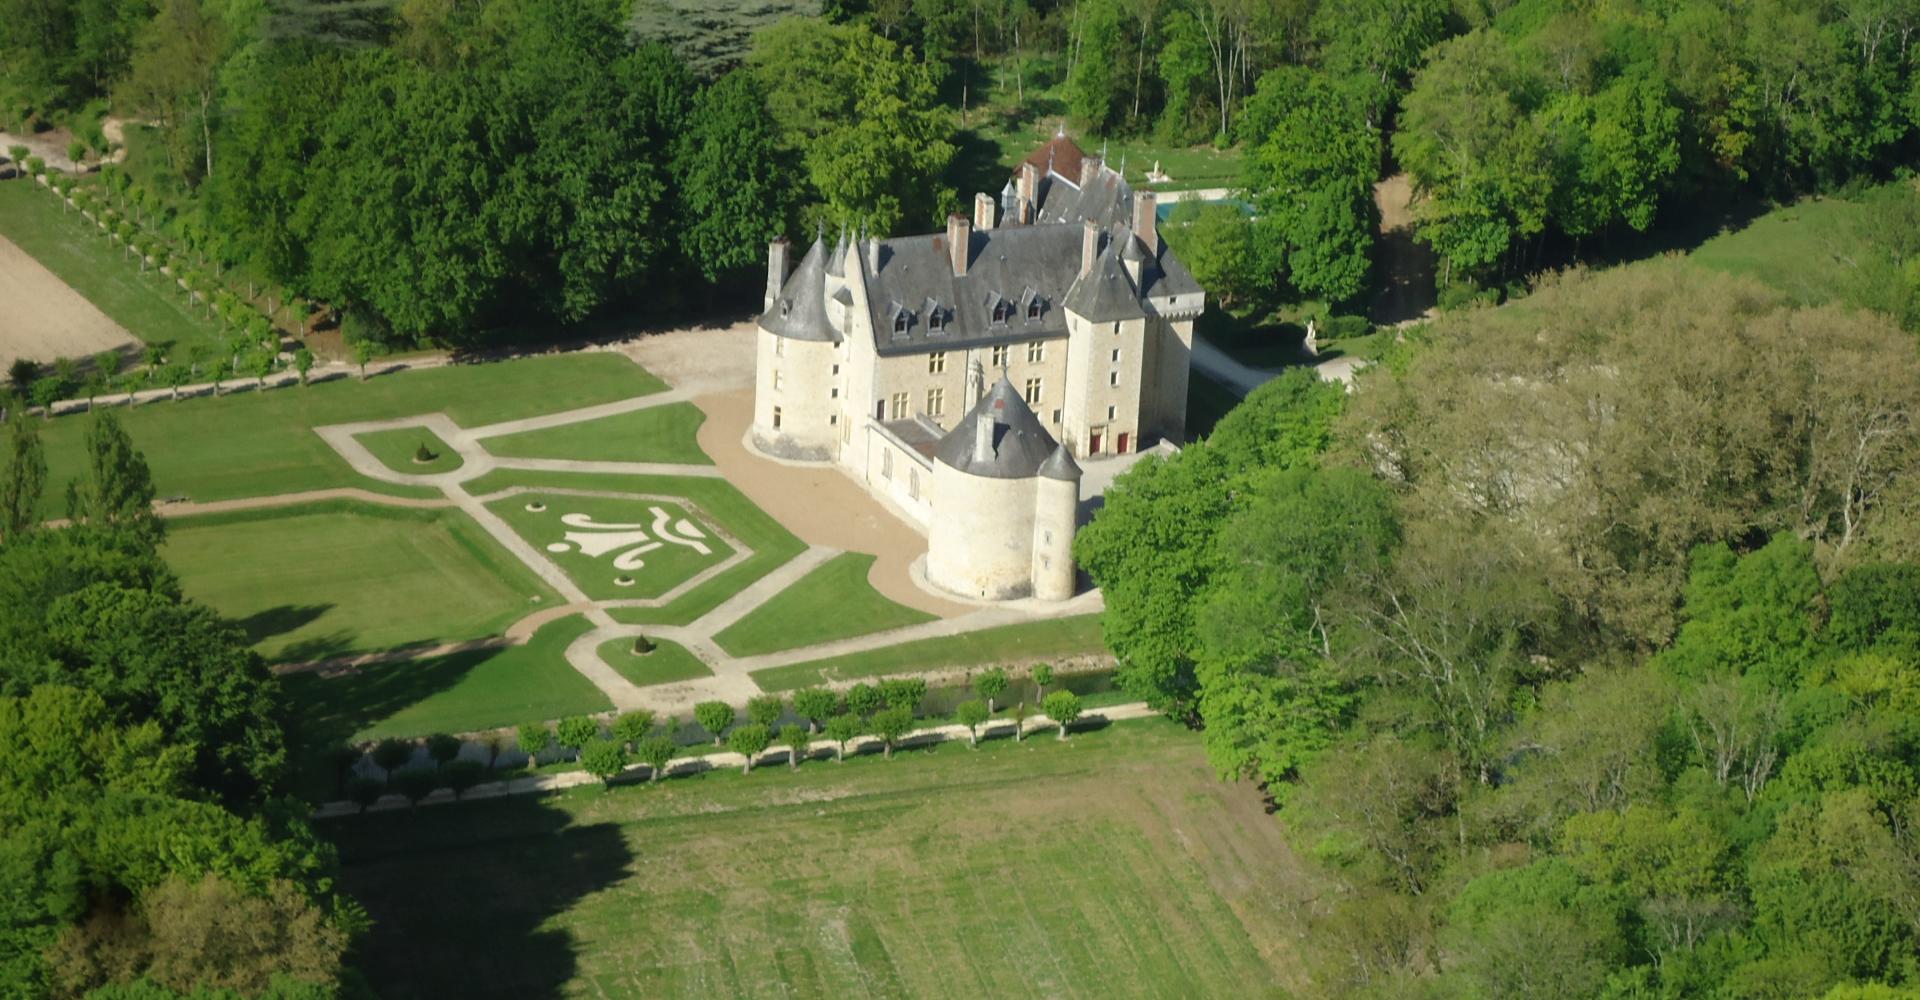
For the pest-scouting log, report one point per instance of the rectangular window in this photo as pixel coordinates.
(836, 369)
(1000, 356)
(936, 402)
(886, 464)
(776, 418)
(1113, 378)
(1056, 416)
(899, 406)
(1033, 392)
(779, 381)
(936, 363)
(1036, 352)
(779, 347)
(1109, 413)
(1116, 355)
(835, 394)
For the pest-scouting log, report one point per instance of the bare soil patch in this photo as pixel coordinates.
(1404, 265)
(43, 319)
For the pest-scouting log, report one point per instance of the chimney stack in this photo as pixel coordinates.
(959, 236)
(1146, 220)
(983, 438)
(1089, 171)
(873, 255)
(983, 211)
(1089, 246)
(778, 253)
(1029, 193)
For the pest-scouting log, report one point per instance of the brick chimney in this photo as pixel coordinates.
(959, 238)
(1089, 171)
(1029, 193)
(1146, 220)
(778, 254)
(1089, 246)
(983, 211)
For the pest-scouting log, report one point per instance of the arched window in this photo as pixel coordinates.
(913, 483)
(886, 465)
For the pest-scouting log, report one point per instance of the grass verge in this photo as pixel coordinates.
(668, 662)
(1027, 641)
(834, 601)
(398, 450)
(655, 434)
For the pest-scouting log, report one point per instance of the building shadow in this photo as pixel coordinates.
(465, 898)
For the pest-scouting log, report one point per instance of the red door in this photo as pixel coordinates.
(1120, 443)
(1093, 443)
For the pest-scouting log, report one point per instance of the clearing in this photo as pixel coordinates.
(1114, 864)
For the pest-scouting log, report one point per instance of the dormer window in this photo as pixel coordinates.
(900, 322)
(1002, 311)
(1033, 308)
(936, 321)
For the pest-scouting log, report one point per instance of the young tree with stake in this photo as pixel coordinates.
(749, 741)
(655, 752)
(797, 741)
(714, 717)
(533, 737)
(991, 684)
(972, 714)
(1063, 707)
(842, 729)
(890, 725)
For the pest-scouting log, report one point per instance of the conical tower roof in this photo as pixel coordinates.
(800, 313)
(1016, 445)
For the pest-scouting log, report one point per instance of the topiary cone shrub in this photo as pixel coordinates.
(424, 454)
(642, 645)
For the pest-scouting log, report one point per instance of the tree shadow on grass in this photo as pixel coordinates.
(463, 896)
(976, 167)
(324, 712)
(280, 620)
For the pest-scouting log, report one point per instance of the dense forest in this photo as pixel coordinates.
(148, 851)
(570, 164)
(1575, 647)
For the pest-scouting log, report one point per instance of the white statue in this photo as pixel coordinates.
(1312, 342)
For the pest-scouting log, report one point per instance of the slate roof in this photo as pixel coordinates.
(800, 313)
(1060, 465)
(1012, 265)
(1021, 447)
(1108, 200)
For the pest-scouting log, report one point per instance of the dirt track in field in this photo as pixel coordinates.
(43, 319)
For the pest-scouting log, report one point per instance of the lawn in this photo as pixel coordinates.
(324, 579)
(668, 662)
(257, 443)
(771, 543)
(602, 543)
(655, 434)
(835, 601)
(1114, 864)
(98, 269)
(464, 692)
(399, 450)
(1026, 642)
(1805, 250)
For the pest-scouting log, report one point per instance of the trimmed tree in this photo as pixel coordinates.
(749, 741)
(971, 714)
(303, 363)
(714, 717)
(1063, 707)
(766, 710)
(577, 731)
(842, 729)
(903, 692)
(816, 705)
(632, 727)
(655, 752)
(890, 725)
(1020, 713)
(364, 792)
(604, 759)
(864, 699)
(462, 775)
(798, 741)
(534, 738)
(416, 785)
(494, 741)
(443, 748)
(390, 755)
(1042, 676)
(991, 684)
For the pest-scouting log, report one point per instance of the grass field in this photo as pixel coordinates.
(399, 449)
(771, 543)
(257, 443)
(98, 269)
(1803, 249)
(1026, 642)
(665, 568)
(668, 662)
(339, 577)
(1113, 864)
(463, 692)
(656, 434)
(835, 601)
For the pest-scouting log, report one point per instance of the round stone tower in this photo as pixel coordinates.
(1056, 509)
(793, 404)
(987, 488)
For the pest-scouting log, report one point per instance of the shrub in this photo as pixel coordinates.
(577, 731)
(655, 752)
(749, 740)
(416, 785)
(424, 454)
(604, 759)
(34, 165)
(463, 774)
(632, 727)
(533, 737)
(364, 792)
(797, 741)
(864, 699)
(714, 717)
(1343, 328)
(815, 705)
(766, 709)
(391, 755)
(642, 645)
(890, 725)
(443, 749)
(843, 729)
(903, 692)
(1063, 707)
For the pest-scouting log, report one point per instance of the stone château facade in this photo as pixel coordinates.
(959, 375)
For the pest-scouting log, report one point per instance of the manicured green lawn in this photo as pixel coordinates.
(771, 543)
(1113, 864)
(1803, 249)
(1022, 643)
(564, 529)
(655, 434)
(464, 692)
(98, 269)
(668, 662)
(257, 443)
(399, 450)
(835, 601)
(320, 580)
